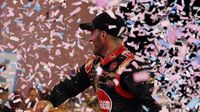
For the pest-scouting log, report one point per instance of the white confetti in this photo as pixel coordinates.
(75, 11)
(111, 14)
(77, 3)
(14, 38)
(112, 26)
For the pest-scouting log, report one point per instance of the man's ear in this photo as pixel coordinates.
(103, 35)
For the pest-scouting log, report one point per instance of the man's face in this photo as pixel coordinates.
(4, 96)
(99, 44)
(33, 94)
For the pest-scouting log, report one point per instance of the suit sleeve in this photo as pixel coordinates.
(69, 87)
(140, 90)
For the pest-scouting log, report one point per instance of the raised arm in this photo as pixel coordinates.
(137, 84)
(69, 87)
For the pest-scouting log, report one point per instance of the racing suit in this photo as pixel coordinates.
(113, 81)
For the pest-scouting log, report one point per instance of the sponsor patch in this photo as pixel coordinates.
(105, 101)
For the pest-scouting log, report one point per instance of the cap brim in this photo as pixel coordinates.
(86, 26)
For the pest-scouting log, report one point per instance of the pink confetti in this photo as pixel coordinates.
(51, 57)
(80, 46)
(56, 34)
(36, 67)
(60, 27)
(165, 23)
(40, 18)
(77, 3)
(184, 18)
(133, 2)
(40, 75)
(70, 20)
(72, 53)
(49, 82)
(36, 56)
(182, 51)
(44, 39)
(7, 23)
(48, 25)
(65, 65)
(143, 1)
(31, 28)
(193, 27)
(127, 70)
(135, 64)
(171, 35)
(14, 38)
(101, 3)
(58, 52)
(179, 7)
(10, 10)
(75, 11)
(10, 46)
(55, 13)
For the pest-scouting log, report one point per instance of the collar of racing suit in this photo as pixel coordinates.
(112, 56)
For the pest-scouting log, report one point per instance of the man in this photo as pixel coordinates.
(4, 107)
(32, 98)
(119, 79)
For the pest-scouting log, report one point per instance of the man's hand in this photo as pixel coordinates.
(44, 106)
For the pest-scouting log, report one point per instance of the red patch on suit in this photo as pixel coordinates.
(105, 101)
(89, 64)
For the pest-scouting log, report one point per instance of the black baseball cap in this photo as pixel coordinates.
(114, 25)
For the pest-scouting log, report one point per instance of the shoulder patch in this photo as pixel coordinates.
(129, 57)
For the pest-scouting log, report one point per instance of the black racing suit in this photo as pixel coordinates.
(112, 79)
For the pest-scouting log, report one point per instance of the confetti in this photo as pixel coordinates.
(56, 34)
(112, 26)
(58, 52)
(10, 10)
(193, 103)
(101, 3)
(14, 38)
(37, 7)
(75, 11)
(111, 14)
(77, 3)
(3, 5)
(17, 100)
(79, 46)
